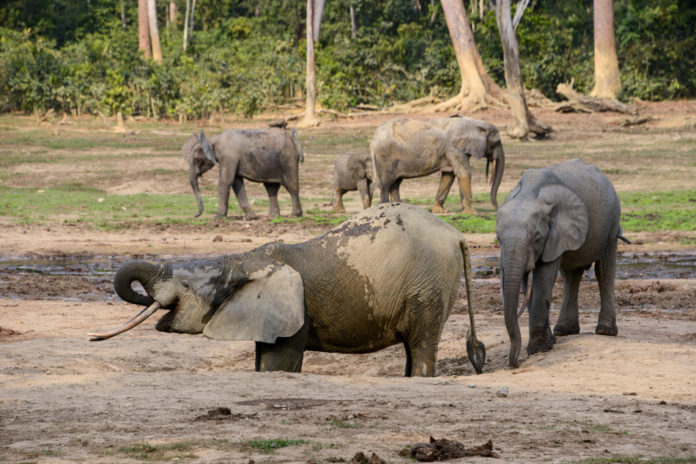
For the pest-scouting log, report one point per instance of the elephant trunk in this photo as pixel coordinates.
(139, 271)
(498, 168)
(513, 271)
(194, 174)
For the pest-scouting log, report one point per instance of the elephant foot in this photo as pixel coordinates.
(562, 331)
(540, 345)
(612, 330)
(468, 210)
(250, 217)
(296, 214)
(339, 209)
(437, 209)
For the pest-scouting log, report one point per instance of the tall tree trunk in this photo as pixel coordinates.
(143, 29)
(606, 64)
(353, 22)
(193, 16)
(173, 13)
(186, 23)
(316, 14)
(310, 118)
(477, 88)
(524, 120)
(123, 13)
(154, 32)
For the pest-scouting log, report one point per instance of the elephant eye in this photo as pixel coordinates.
(186, 285)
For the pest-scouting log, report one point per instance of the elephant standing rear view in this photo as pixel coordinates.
(389, 275)
(270, 156)
(407, 148)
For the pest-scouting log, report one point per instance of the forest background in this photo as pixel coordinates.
(244, 57)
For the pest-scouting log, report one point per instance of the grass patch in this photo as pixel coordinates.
(149, 452)
(343, 424)
(671, 210)
(272, 444)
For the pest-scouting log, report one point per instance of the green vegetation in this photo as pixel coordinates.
(245, 56)
(270, 445)
(166, 452)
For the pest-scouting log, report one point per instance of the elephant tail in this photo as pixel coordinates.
(475, 349)
(298, 147)
(621, 237)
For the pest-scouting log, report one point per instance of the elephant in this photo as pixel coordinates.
(388, 275)
(270, 156)
(353, 171)
(565, 216)
(407, 148)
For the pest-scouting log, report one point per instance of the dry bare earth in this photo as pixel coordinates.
(152, 396)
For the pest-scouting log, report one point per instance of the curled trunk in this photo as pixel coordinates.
(194, 174)
(139, 271)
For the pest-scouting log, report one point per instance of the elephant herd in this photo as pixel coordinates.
(390, 274)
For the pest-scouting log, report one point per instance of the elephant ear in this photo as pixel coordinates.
(208, 149)
(357, 166)
(569, 221)
(268, 306)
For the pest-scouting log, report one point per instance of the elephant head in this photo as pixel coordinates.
(245, 297)
(200, 157)
(534, 226)
(361, 166)
(481, 139)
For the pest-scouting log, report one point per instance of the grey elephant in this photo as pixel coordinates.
(562, 217)
(376, 280)
(407, 148)
(270, 156)
(353, 171)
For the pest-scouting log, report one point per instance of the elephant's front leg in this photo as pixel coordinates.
(394, 190)
(568, 323)
(446, 181)
(338, 200)
(364, 190)
(284, 355)
(240, 192)
(272, 190)
(605, 271)
(540, 336)
(460, 164)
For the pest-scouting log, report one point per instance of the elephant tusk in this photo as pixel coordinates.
(527, 296)
(140, 317)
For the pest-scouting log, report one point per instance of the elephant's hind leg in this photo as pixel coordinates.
(568, 323)
(605, 271)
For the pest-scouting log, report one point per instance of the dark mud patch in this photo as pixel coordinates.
(223, 413)
(445, 450)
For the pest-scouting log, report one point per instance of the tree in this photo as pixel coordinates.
(154, 32)
(524, 120)
(143, 29)
(477, 89)
(606, 64)
(314, 9)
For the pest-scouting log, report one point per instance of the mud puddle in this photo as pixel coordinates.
(90, 277)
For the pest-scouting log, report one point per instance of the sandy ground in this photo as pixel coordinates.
(147, 396)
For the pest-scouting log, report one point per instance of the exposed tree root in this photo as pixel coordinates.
(582, 103)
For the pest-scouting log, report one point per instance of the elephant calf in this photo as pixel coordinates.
(389, 275)
(353, 171)
(562, 217)
(270, 156)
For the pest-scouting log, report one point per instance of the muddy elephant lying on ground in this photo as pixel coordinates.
(353, 171)
(389, 275)
(562, 217)
(407, 148)
(270, 156)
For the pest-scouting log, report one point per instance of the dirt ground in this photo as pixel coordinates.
(147, 396)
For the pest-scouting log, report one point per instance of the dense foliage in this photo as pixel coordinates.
(82, 56)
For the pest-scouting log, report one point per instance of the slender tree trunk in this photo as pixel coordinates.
(310, 116)
(154, 32)
(316, 14)
(123, 13)
(513, 76)
(143, 29)
(186, 23)
(353, 22)
(607, 81)
(476, 87)
(193, 16)
(173, 13)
